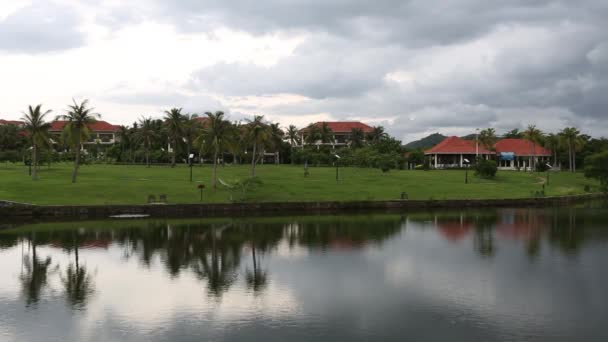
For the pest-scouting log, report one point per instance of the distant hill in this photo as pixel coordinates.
(426, 142)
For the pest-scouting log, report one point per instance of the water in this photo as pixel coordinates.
(491, 275)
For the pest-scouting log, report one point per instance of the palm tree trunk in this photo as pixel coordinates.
(253, 156)
(570, 156)
(214, 170)
(34, 163)
(574, 159)
(174, 152)
(147, 156)
(77, 159)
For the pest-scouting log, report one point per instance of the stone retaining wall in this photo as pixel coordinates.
(10, 210)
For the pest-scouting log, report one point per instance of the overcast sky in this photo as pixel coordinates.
(414, 66)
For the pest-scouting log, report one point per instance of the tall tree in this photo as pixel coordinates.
(488, 138)
(552, 143)
(535, 136)
(145, 135)
(572, 139)
(191, 130)
(38, 130)
(215, 137)
(293, 136)
(124, 136)
(326, 135)
(257, 134)
(377, 134)
(313, 134)
(174, 124)
(357, 137)
(514, 134)
(275, 138)
(78, 117)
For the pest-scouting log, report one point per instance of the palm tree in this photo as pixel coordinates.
(216, 137)
(357, 137)
(553, 144)
(293, 137)
(534, 135)
(174, 122)
(326, 134)
(513, 134)
(275, 138)
(377, 134)
(191, 129)
(313, 134)
(257, 134)
(144, 135)
(78, 117)
(573, 140)
(488, 138)
(38, 131)
(124, 134)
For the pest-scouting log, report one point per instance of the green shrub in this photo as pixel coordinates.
(541, 167)
(596, 166)
(485, 168)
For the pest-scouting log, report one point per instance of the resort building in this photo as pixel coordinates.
(453, 152)
(100, 132)
(510, 154)
(341, 132)
(11, 122)
(516, 154)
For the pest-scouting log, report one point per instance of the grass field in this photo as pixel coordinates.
(109, 184)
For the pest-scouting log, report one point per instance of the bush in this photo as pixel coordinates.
(541, 167)
(10, 156)
(486, 168)
(384, 165)
(596, 166)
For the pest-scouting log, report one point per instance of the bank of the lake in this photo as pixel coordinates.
(488, 274)
(132, 185)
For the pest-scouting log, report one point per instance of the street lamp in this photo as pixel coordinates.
(190, 157)
(337, 167)
(549, 169)
(466, 171)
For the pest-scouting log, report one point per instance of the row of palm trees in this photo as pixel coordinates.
(212, 134)
(569, 139)
(78, 118)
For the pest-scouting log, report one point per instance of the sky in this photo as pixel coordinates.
(413, 66)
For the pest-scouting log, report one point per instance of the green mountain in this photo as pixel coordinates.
(426, 142)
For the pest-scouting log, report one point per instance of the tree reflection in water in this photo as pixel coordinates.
(35, 272)
(76, 279)
(214, 249)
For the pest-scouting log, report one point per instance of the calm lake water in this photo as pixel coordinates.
(491, 275)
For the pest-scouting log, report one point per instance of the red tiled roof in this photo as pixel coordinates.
(203, 120)
(454, 231)
(521, 147)
(10, 122)
(98, 126)
(344, 126)
(456, 145)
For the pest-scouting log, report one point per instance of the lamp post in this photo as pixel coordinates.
(337, 168)
(466, 171)
(549, 169)
(190, 157)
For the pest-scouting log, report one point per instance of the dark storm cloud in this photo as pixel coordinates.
(325, 67)
(400, 21)
(40, 27)
(546, 60)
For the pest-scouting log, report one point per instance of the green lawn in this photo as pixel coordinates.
(108, 184)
